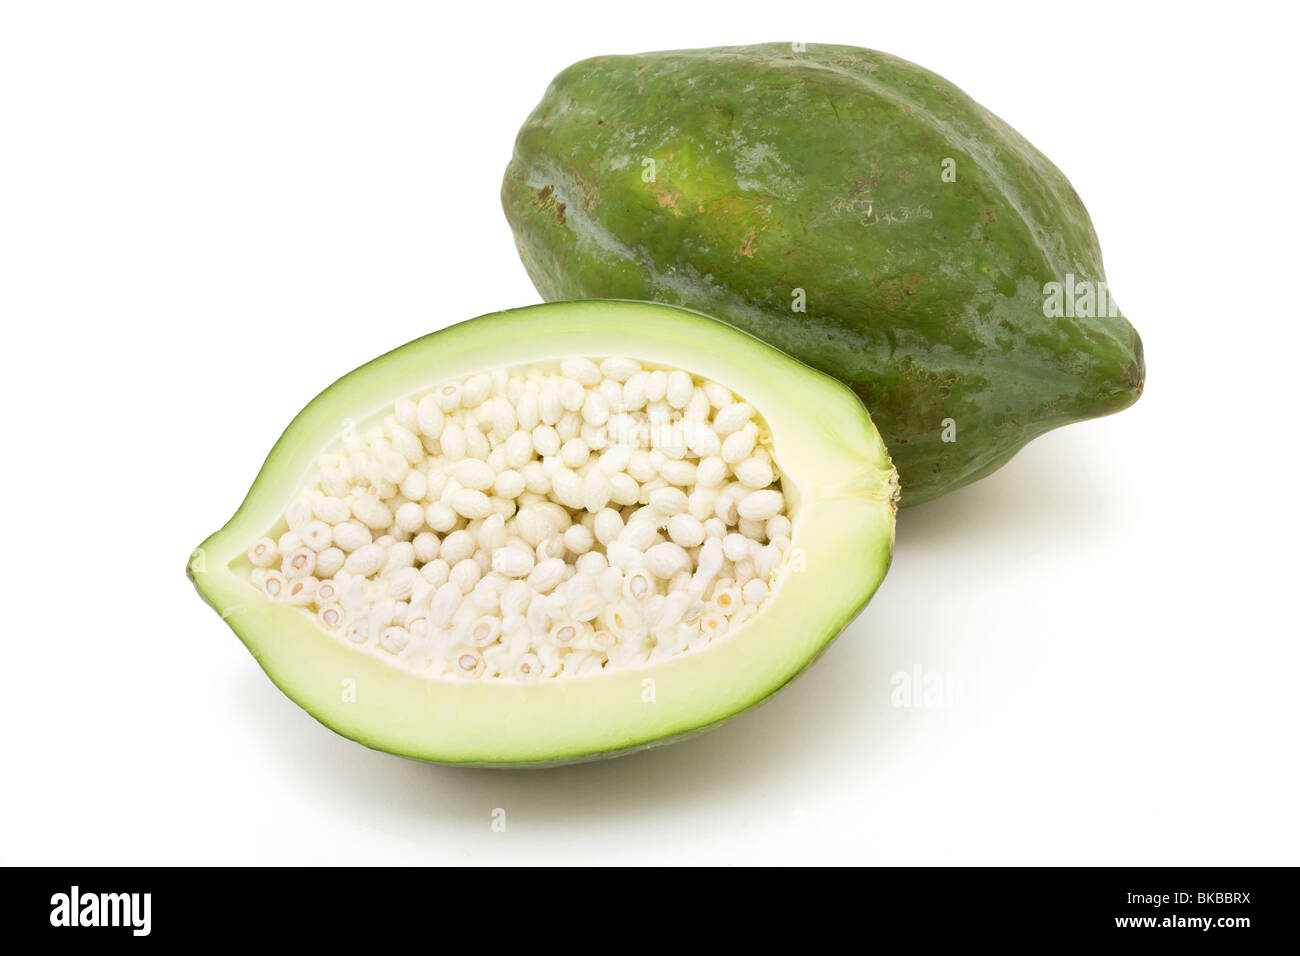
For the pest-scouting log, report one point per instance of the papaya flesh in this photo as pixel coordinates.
(852, 209)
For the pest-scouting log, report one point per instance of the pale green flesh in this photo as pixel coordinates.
(834, 470)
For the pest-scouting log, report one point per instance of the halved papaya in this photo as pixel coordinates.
(554, 533)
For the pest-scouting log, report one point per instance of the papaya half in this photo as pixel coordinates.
(854, 210)
(561, 532)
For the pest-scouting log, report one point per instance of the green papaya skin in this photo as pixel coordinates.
(738, 181)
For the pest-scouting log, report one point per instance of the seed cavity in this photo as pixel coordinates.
(544, 523)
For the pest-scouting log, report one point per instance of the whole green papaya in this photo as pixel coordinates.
(849, 207)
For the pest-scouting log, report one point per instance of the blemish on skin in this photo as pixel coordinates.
(747, 247)
(667, 198)
(545, 199)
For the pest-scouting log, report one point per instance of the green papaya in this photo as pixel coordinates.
(854, 210)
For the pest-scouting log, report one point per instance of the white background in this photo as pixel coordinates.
(208, 212)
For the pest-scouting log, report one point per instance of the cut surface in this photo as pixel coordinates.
(577, 617)
(538, 523)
